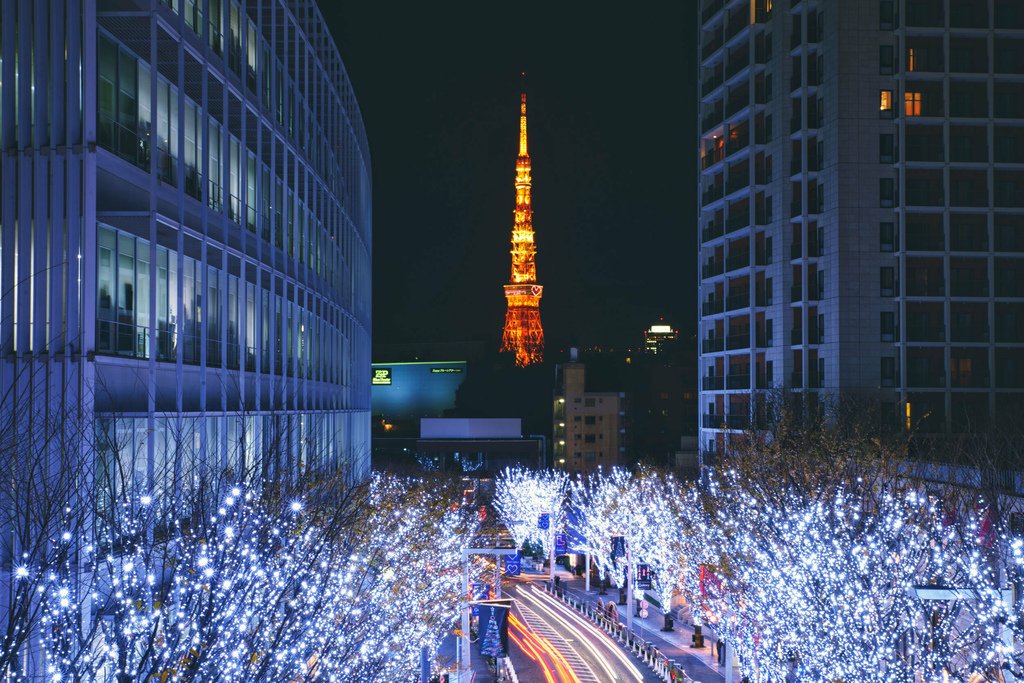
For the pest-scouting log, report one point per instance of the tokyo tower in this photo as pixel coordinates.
(523, 333)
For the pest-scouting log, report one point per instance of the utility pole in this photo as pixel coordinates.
(629, 589)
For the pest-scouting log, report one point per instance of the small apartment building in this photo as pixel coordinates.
(589, 426)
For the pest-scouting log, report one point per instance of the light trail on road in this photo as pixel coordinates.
(592, 638)
(529, 641)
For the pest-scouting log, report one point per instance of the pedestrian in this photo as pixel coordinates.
(721, 651)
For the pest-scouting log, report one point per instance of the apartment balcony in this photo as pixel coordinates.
(711, 232)
(712, 268)
(737, 222)
(712, 307)
(736, 261)
(711, 10)
(712, 383)
(931, 287)
(926, 333)
(737, 184)
(969, 333)
(738, 341)
(977, 286)
(926, 380)
(796, 336)
(736, 144)
(708, 85)
(763, 296)
(969, 380)
(712, 345)
(736, 301)
(764, 341)
(735, 421)
(711, 195)
(740, 380)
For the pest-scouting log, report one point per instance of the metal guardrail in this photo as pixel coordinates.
(663, 667)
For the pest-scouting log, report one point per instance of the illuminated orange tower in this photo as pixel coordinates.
(523, 332)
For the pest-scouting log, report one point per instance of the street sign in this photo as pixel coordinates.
(544, 521)
(561, 544)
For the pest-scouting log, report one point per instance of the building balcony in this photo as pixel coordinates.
(969, 286)
(738, 381)
(712, 307)
(736, 421)
(712, 345)
(736, 301)
(736, 261)
(926, 333)
(738, 341)
(969, 333)
(926, 380)
(712, 383)
(712, 268)
(711, 232)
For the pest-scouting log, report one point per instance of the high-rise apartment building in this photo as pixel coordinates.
(185, 238)
(861, 213)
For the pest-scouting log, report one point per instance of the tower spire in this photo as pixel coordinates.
(522, 128)
(523, 332)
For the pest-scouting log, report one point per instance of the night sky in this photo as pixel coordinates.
(611, 127)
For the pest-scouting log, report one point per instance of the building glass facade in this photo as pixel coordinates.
(186, 236)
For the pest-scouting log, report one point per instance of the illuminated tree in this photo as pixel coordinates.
(521, 496)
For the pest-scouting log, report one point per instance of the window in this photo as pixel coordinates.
(885, 104)
(589, 438)
(589, 419)
(886, 236)
(887, 281)
(886, 148)
(887, 324)
(886, 192)
(886, 15)
(589, 403)
(912, 103)
(885, 59)
(888, 371)
(912, 59)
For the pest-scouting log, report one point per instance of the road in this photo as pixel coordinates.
(554, 644)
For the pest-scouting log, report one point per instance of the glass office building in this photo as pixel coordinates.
(186, 237)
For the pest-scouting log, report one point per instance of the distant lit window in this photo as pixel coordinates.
(911, 59)
(885, 103)
(911, 104)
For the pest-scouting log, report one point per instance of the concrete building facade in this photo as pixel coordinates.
(861, 225)
(589, 426)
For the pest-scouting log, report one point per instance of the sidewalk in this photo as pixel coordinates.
(700, 663)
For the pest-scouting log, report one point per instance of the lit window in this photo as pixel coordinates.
(912, 104)
(911, 59)
(885, 100)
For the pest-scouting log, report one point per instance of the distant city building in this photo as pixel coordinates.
(478, 446)
(861, 220)
(403, 393)
(523, 334)
(186, 241)
(659, 336)
(589, 426)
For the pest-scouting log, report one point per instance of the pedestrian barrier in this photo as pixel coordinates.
(663, 667)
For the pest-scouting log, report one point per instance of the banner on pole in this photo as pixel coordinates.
(513, 564)
(561, 544)
(618, 547)
(644, 577)
(494, 628)
(481, 591)
(544, 521)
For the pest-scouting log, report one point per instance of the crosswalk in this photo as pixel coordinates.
(564, 646)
